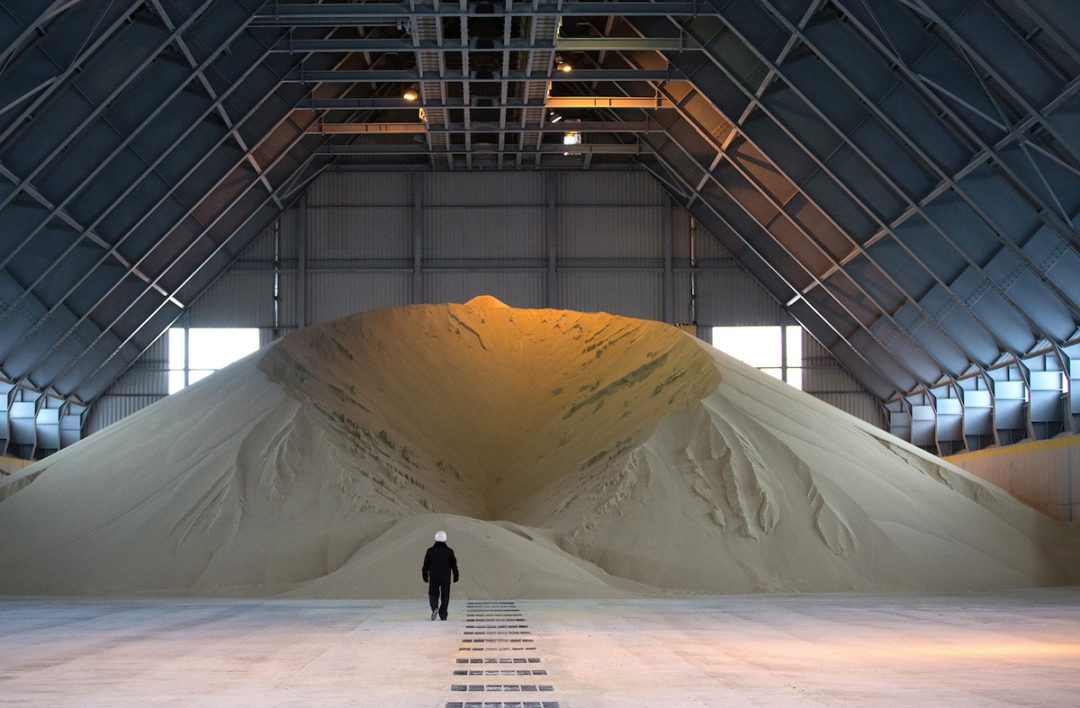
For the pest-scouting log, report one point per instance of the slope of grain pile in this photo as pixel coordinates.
(566, 454)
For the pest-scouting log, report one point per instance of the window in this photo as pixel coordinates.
(775, 350)
(194, 354)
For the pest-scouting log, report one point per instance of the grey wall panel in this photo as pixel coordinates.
(237, 299)
(611, 232)
(515, 288)
(144, 383)
(627, 293)
(824, 378)
(336, 294)
(109, 409)
(728, 296)
(612, 189)
(359, 232)
(680, 236)
(682, 297)
(707, 246)
(482, 233)
(482, 188)
(261, 249)
(471, 234)
(360, 188)
(861, 405)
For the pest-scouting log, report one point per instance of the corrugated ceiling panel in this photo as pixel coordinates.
(517, 289)
(611, 232)
(468, 234)
(336, 294)
(359, 232)
(628, 293)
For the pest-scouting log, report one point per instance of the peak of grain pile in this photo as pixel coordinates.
(566, 454)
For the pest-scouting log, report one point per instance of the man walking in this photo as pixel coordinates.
(439, 563)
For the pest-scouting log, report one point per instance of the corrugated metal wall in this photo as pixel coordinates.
(146, 382)
(824, 378)
(351, 245)
(483, 233)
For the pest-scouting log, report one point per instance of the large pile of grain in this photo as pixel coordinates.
(566, 454)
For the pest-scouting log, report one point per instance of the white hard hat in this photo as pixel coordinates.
(440, 535)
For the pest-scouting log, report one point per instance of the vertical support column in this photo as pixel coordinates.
(301, 264)
(277, 277)
(186, 319)
(551, 235)
(669, 268)
(417, 239)
(783, 354)
(693, 271)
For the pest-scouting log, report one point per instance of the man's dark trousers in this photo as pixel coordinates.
(437, 589)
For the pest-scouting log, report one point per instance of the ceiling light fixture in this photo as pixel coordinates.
(410, 94)
(562, 65)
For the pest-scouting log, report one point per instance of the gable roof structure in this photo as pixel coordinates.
(903, 175)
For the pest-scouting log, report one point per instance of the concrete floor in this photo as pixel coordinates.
(1009, 648)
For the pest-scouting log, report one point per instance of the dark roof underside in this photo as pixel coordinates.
(904, 175)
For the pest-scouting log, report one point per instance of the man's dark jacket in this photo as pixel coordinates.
(439, 562)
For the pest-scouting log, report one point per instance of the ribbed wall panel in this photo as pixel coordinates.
(361, 189)
(614, 189)
(627, 293)
(517, 289)
(261, 249)
(708, 246)
(145, 380)
(611, 232)
(680, 236)
(483, 189)
(336, 294)
(729, 296)
(109, 409)
(144, 383)
(483, 233)
(465, 233)
(237, 299)
(861, 405)
(359, 232)
(682, 297)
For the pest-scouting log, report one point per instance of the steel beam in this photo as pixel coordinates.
(872, 164)
(290, 45)
(552, 102)
(390, 13)
(301, 76)
(479, 149)
(322, 128)
(268, 200)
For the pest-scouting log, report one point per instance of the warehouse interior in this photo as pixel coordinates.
(875, 202)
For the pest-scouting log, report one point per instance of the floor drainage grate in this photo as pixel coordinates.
(508, 641)
(500, 672)
(500, 660)
(503, 704)
(500, 687)
(498, 629)
(497, 649)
